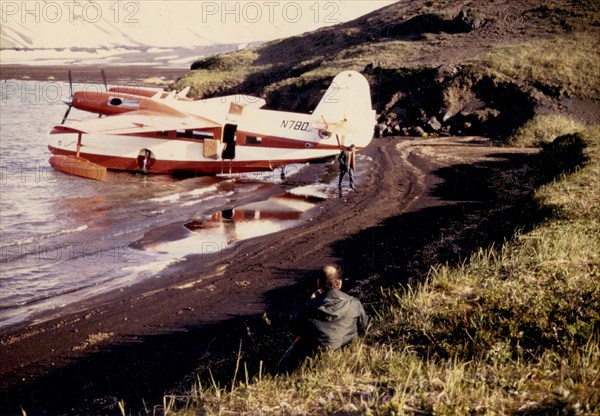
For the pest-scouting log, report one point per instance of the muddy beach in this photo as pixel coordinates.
(417, 205)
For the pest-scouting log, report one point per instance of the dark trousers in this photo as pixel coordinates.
(296, 354)
(350, 174)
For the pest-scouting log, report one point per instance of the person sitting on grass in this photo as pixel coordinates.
(331, 319)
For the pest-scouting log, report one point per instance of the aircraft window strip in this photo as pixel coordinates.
(254, 140)
(194, 134)
(282, 142)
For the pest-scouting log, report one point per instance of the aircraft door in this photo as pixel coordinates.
(229, 141)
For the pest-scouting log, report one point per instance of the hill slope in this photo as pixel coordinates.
(453, 67)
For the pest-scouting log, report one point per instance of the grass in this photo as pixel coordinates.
(246, 71)
(216, 74)
(514, 329)
(543, 129)
(566, 65)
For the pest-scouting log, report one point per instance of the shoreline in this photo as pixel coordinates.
(147, 340)
(148, 75)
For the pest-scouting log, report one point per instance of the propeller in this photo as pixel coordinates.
(70, 102)
(103, 74)
(104, 79)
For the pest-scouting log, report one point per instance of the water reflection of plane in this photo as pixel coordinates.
(256, 218)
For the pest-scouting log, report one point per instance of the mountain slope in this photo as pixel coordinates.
(435, 66)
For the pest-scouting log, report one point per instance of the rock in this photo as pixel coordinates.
(434, 124)
(470, 19)
(419, 131)
(391, 117)
(445, 72)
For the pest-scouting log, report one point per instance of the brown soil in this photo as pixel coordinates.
(423, 201)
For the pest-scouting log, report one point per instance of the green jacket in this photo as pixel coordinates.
(331, 320)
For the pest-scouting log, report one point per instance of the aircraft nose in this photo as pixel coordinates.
(76, 97)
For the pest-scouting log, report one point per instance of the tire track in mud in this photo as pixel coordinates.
(390, 188)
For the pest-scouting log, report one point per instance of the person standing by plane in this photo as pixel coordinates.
(331, 319)
(346, 160)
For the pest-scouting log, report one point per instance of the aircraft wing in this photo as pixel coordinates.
(240, 99)
(133, 122)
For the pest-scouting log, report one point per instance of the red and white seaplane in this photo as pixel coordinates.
(158, 132)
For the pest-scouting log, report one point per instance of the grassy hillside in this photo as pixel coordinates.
(514, 328)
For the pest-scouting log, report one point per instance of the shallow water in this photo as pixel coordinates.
(65, 238)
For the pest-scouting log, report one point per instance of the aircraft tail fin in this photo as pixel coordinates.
(345, 109)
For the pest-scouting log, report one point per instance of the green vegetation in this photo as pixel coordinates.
(269, 73)
(216, 74)
(543, 129)
(564, 65)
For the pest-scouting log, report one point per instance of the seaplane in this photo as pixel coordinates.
(149, 132)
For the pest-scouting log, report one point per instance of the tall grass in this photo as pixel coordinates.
(543, 129)
(565, 65)
(514, 329)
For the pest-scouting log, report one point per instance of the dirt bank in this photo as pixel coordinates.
(423, 201)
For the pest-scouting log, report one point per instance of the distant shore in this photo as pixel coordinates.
(136, 74)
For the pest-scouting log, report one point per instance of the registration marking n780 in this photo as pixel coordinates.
(294, 125)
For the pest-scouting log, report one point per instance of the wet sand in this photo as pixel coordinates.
(424, 201)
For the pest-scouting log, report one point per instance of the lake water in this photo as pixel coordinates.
(64, 238)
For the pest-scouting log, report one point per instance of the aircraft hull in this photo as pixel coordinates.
(172, 156)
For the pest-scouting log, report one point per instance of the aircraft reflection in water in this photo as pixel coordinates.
(224, 228)
(143, 131)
